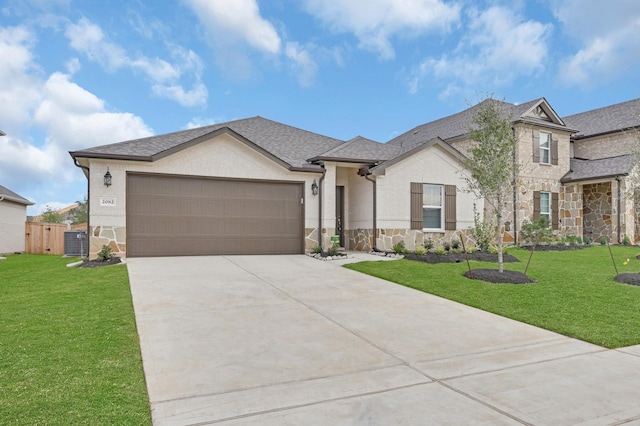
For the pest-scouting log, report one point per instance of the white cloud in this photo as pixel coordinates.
(375, 22)
(229, 22)
(608, 38)
(199, 122)
(18, 78)
(498, 46)
(302, 63)
(166, 78)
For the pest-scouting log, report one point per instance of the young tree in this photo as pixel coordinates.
(80, 212)
(51, 216)
(492, 162)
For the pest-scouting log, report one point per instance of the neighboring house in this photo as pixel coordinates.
(255, 186)
(13, 217)
(605, 155)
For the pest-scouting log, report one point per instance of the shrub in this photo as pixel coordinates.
(317, 249)
(399, 247)
(333, 250)
(455, 244)
(483, 232)
(536, 232)
(472, 249)
(603, 240)
(587, 239)
(441, 251)
(626, 241)
(446, 246)
(493, 249)
(105, 253)
(428, 244)
(420, 250)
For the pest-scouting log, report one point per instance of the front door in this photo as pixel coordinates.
(340, 213)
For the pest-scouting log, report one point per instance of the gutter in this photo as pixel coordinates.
(75, 161)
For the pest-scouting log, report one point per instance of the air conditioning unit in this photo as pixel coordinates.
(75, 243)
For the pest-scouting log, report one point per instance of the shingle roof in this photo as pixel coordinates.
(361, 149)
(7, 194)
(600, 168)
(612, 118)
(290, 144)
(459, 124)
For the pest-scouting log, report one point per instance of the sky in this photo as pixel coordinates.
(82, 73)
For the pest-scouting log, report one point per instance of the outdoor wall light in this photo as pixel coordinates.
(314, 187)
(107, 178)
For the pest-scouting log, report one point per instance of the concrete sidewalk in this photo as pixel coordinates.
(288, 340)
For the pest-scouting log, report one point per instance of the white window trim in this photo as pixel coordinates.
(441, 207)
(547, 149)
(548, 213)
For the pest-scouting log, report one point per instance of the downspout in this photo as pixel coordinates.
(324, 171)
(375, 210)
(75, 161)
(619, 212)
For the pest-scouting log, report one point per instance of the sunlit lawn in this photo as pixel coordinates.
(574, 295)
(69, 350)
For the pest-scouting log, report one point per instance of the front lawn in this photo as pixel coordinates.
(69, 350)
(575, 293)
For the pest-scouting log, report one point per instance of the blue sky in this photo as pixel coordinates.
(77, 74)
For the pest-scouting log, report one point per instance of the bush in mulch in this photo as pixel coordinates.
(633, 279)
(459, 257)
(86, 263)
(496, 277)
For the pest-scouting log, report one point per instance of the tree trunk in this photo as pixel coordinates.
(500, 238)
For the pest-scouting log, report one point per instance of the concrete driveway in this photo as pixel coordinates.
(290, 340)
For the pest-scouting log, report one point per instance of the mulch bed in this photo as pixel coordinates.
(633, 279)
(96, 263)
(459, 257)
(495, 276)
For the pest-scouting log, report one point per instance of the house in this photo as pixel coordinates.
(13, 217)
(256, 186)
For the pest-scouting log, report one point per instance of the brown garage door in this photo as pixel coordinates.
(184, 216)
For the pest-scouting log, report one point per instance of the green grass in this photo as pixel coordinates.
(574, 295)
(69, 350)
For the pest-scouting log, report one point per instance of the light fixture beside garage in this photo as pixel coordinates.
(107, 178)
(314, 187)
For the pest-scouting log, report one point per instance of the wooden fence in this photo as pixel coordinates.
(45, 238)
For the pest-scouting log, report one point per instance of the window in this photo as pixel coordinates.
(545, 205)
(545, 148)
(432, 206)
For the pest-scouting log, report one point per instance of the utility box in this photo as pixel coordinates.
(75, 243)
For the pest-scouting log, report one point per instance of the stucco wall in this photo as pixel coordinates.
(432, 165)
(222, 156)
(12, 227)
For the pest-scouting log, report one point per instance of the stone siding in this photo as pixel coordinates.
(598, 210)
(114, 237)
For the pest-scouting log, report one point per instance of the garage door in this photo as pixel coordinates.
(185, 216)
